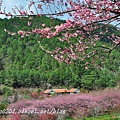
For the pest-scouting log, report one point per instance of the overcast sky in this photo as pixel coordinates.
(9, 4)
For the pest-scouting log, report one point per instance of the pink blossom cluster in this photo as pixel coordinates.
(100, 102)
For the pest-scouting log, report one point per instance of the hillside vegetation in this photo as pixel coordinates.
(24, 64)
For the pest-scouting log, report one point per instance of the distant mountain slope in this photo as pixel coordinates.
(24, 64)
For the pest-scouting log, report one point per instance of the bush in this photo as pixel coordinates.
(114, 110)
(81, 113)
(82, 90)
(1, 91)
(15, 117)
(47, 117)
(62, 116)
(34, 95)
(3, 106)
(38, 90)
(6, 91)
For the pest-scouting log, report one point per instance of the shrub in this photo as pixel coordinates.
(81, 113)
(47, 117)
(15, 117)
(1, 91)
(61, 116)
(34, 95)
(41, 97)
(16, 97)
(3, 106)
(38, 90)
(6, 91)
(114, 110)
(82, 90)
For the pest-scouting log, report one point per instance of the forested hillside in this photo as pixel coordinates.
(24, 64)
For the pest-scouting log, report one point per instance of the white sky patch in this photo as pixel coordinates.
(9, 4)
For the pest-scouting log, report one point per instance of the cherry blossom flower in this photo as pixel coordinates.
(29, 23)
(21, 32)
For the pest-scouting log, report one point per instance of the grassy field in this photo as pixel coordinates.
(102, 117)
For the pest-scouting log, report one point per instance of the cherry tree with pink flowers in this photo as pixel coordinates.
(80, 29)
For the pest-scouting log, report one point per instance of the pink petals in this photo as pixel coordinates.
(40, 6)
(20, 32)
(29, 23)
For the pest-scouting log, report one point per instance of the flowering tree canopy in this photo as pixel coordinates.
(81, 30)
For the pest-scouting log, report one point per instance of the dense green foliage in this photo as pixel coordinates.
(24, 64)
(102, 117)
